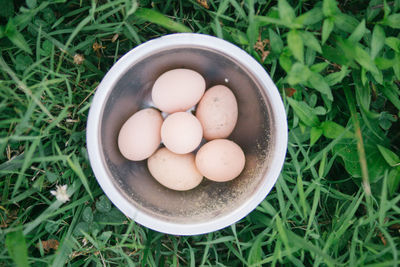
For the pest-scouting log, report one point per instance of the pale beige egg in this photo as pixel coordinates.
(140, 135)
(220, 160)
(175, 171)
(217, 112)
(181, 132)
(178, 90)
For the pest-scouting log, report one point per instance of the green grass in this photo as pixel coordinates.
(337, 67)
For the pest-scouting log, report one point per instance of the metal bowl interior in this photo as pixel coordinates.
(255, 132)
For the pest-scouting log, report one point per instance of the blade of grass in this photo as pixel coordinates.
(206, 249)
(391, 95)
(66, 243)
(76, 167)
(233, 227)
(344, 223)
(159, 19)
(217, 241)
(23, 87)
(27, 161)
(316, 200)
(239, 9)
(272, 258)
(17, 249)
(237, 253)
(360, 146)
(77, 29)
(392, 244)
(63, 48)
(291, 196)
(255, 252)
(53, 209)
(301, 242)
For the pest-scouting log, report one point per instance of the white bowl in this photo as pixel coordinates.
(261, 131)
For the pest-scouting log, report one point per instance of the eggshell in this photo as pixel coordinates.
(217, 112)
(140, 135)
(220, 160)
(181, 132)
(175, 171)
(178, 90)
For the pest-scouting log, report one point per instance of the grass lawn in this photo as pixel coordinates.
(337, 67)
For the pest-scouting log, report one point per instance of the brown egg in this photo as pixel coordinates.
(140, 135)
(175, 171)
(178, 90)
(181, 132)
(220, 160)
(217, 112)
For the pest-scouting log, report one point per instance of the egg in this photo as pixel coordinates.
(220, 160)
(217, 112)
(178, 90)
(175, 171)
(140, 135)
(181, 132)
